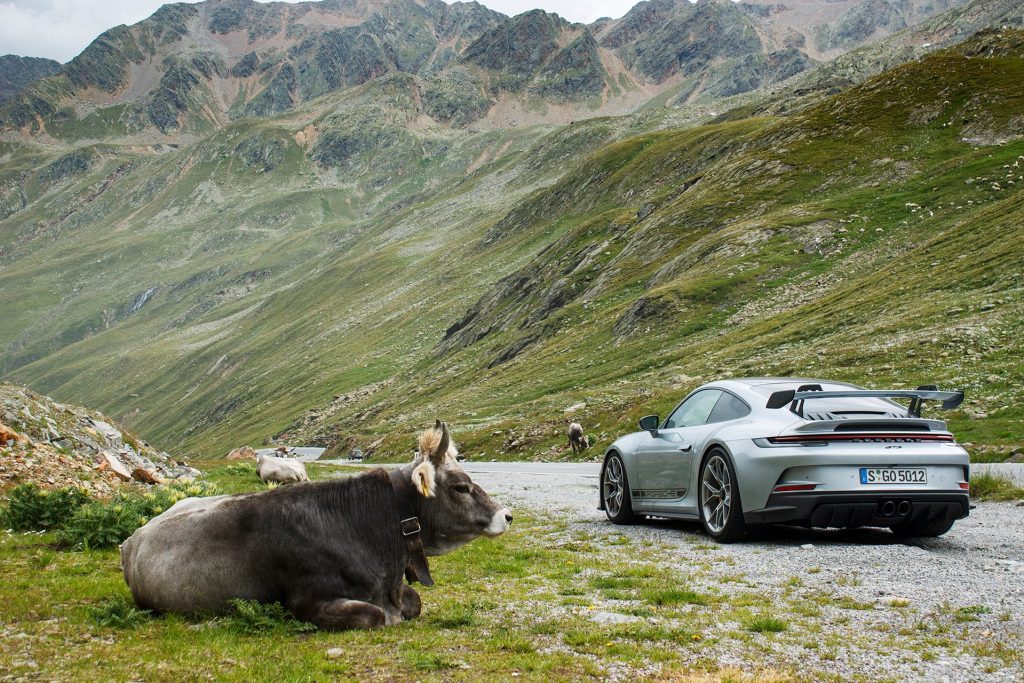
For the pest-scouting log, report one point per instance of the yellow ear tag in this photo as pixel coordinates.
(423, 479)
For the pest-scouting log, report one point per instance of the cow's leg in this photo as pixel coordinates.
(411, 604)
(341, 614)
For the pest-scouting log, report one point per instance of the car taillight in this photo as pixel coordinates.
(784, 488)
(850, 437)
(965, 486)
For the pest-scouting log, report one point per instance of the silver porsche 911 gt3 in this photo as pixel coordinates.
(743, 452)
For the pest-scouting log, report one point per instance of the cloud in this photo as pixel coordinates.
(60, 29)
(573, 10)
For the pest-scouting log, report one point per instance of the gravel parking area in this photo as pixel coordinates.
(858, 604)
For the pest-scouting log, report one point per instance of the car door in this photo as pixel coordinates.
(664, 459)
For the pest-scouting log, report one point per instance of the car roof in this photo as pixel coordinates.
(760, 381)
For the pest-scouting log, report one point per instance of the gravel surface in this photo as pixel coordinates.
(859, 604)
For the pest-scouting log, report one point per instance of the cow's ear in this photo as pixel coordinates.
(423, 479)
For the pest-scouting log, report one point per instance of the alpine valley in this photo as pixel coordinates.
(328, 223)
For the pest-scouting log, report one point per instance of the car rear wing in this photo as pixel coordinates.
(795, 398)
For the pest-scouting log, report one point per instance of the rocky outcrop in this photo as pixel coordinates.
(56, 445)
(17, 73)
(243, 453)
(662, 38)
(515, 50)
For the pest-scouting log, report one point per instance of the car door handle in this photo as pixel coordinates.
(687, 448)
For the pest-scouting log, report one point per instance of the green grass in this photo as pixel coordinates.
(495, 612)
(995, 486)
(766, 625)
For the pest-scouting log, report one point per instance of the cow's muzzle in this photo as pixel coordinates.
(499, 523)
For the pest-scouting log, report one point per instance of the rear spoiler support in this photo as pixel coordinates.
(795, 398)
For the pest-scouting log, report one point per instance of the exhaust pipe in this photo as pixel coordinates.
(888, 508)
(903, 508)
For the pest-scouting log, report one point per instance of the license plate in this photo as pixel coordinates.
(893, 475)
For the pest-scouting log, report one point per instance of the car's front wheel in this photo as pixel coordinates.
(618, 504)
(719, 498)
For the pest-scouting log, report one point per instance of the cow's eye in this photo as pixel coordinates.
(462, 488)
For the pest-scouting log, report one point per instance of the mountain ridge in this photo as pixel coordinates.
(190, 68)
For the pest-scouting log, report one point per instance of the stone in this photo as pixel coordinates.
(113, 464)
(335, 652)
(603, 617)
(7, 435)
(107, 431)
(145, 476)
(242, 453)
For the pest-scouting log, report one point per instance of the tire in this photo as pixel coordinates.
(618, 504)
(718, 499)
(922, 529)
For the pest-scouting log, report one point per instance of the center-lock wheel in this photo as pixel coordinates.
(618, 504)
(719, 498)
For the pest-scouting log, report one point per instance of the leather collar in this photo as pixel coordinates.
(416, 569)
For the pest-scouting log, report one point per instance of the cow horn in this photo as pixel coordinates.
(442, 446)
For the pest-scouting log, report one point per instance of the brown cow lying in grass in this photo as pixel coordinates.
(332, 552)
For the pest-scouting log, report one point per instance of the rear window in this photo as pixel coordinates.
(728, 408)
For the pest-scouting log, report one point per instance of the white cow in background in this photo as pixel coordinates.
(280, 470)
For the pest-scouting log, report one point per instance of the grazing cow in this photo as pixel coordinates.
(280, 470)
(331, 552)
(577, 439)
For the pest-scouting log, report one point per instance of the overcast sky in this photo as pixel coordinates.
(60, 29)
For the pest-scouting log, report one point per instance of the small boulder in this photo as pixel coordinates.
(110, 462)
(243, 453)
(145, 476)
(7, 435)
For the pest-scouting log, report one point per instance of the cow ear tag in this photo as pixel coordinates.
(423, 479)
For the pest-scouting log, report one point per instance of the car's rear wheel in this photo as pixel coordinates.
(719, 498)
(925, 529)
(618, 504)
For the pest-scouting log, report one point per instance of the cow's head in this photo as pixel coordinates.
(452, 509)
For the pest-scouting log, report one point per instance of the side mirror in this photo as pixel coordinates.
(650, 423)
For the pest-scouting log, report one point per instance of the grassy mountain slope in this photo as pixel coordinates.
(874, 237)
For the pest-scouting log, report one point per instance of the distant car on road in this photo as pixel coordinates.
(743, 452)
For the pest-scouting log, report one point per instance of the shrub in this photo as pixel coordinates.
(119, 611)
(250, 616)
(102, 525)
(106, 524)
(31, 508)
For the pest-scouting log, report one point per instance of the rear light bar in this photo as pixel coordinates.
(821, 439)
